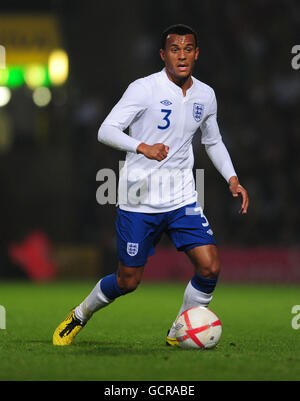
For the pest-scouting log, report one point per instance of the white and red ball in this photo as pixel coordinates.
(198, 328)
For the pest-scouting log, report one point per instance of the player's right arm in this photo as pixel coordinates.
(158, 151)
(134, 101)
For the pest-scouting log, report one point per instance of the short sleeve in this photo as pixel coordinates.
(209, 128)
(134, 101)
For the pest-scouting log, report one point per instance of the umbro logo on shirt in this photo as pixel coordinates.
(166, 102)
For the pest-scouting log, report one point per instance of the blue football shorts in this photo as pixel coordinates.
(139, 233)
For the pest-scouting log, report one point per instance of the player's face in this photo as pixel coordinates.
(179, 55)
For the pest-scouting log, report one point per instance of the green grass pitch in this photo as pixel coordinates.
(126, 341)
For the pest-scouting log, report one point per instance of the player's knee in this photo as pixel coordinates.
(214, 269)
(209, 270)
(205, 261)
(128, 278)
(129, 284)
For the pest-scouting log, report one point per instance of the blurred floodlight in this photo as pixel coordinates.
(12, 76)
(4, 76)
(42, 96)
(15, 77)
(5, 95)
(58, 66)
(2, 57)
(35, 75)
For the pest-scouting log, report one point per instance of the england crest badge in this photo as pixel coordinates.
(198, 111)
(132, 248)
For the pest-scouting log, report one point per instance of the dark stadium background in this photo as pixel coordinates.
(51, 226)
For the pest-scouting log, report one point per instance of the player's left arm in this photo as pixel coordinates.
(219, 155)
(221, 159)
(238, 190)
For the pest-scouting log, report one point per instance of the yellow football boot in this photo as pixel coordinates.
(171, 341)
(67, 330)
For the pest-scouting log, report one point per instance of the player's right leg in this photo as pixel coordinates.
(137, 234)
(104, 293)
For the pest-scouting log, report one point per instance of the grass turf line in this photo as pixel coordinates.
(126, 341)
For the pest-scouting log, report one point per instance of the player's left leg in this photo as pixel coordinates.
(199, 291)
(191, 232)
(207, 268)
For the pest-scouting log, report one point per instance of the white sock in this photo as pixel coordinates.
(192, 297)
(93, 302)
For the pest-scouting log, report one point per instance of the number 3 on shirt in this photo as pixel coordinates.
(166, 119)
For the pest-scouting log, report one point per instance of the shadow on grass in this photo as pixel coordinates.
(105, 348)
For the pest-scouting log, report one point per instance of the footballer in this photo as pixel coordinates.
(163, 112)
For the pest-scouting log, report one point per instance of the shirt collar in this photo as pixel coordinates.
(173, 86)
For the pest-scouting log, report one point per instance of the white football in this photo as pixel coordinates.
(199, 328)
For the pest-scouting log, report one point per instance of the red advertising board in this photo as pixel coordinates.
(237, 264)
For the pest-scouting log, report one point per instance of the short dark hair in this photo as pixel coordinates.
(178, 29)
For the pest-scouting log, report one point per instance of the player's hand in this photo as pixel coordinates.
(158, 151)
(238, 191)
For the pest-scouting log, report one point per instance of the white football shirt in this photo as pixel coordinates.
(156, 111)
